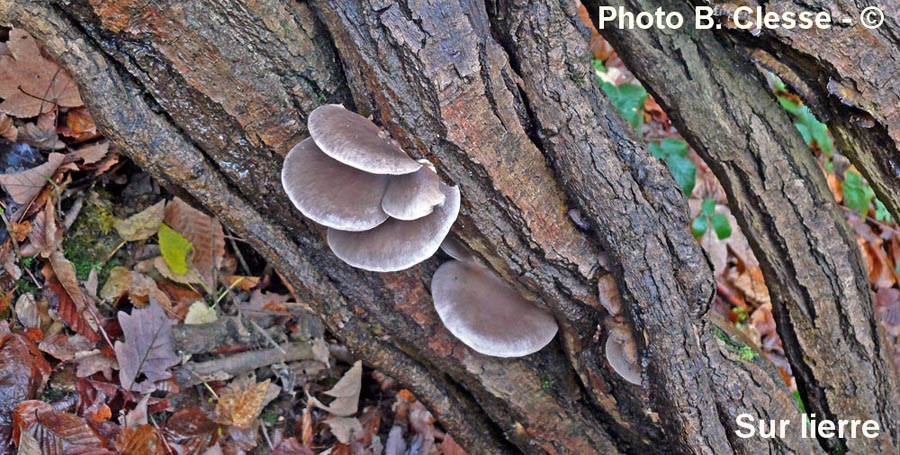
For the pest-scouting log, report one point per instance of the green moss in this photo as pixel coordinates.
(92, 238)
(745, 352)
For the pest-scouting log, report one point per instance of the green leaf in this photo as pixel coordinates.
(709, 206)
(857, 193)
(174, 248)
(684, 171)
(816, 132)
(721, 225)
(881, 212)
(657, 150)
(598, 65)
(699, 226)
(629, 100)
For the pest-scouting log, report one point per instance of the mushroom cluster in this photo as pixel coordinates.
(621, 349)
(384, 210)
(387, 212)
(487, 314)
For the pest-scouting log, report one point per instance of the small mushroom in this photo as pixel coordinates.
(615, 355)
(332, 193)
(412, 196)
(396, 244)
(357, 142)
(456, 250)
(487, 314)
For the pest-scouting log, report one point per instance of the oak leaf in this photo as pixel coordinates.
(30, 83)
(148, 350)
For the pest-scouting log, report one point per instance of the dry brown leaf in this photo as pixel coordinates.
(244, 283)
(30, 83)
(142, 440)
(7, 128)
(58, 433)
(64, 347)
(94, 361)
(42, 134)
(137, 416)
(887, 300)
(90, 154)
(148, 350)
(345, 393)
(142, 225)
(200, 313)
(205, 234)
(46, 233)
(78, 125)
(751, 284)
(242, 401)
(23, 186)
(345, 429)
(73, 307)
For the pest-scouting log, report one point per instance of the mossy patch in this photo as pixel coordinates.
(745, 352)
(92, 237)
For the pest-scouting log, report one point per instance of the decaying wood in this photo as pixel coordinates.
(207, 97)
(229, 366)
(810, 259)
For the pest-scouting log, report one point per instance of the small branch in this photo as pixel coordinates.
(222, 368)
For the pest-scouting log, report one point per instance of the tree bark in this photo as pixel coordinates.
(208, 95)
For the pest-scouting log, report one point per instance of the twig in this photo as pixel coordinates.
(223, 368)
(266, 335)
(240, 257)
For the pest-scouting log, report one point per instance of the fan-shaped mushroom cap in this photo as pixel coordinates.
(355, 141)
(615, 355)
(412, 196)
(456, 250)
(487, 314)
(397, 245)
(331, 193)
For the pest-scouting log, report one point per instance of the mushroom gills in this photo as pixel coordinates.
(615, 355)
(357, 142)
(457, 250)
(396, 244)
(487, 314)
(332, 193)
(412, 196)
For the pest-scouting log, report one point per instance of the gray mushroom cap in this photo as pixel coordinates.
(396, 244)
(331, 193)
(487, 314)
(615, 355)
(412, 196)
(455, 249)
(357, 142)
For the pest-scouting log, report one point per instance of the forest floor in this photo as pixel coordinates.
(127, 313)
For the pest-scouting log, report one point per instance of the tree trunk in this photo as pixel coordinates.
(209, 95)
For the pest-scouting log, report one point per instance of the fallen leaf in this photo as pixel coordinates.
(887, 300)
(242, 401)
(42, 134)
(174, 248)
(64, 347)
(142, 225)
(94, 361)
(24, 186)
(291, 446)
(31, 313)
(191, 430)
(78, 125)
(46, 234)
(61, 433)
(345, 429)
(93, 153)
(244, 283)
(148, 350)
(345, 393)
(22, 368)
(137, 416)
(7, 128)
(200, 313)
(30, 83)
(73, 305)
(141, 440)
(205, 234)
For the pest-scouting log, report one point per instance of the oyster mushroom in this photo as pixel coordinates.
(487, 314)
(395, 244)
(412, 196)
(357, 142)
(331, 193)
(616, 356)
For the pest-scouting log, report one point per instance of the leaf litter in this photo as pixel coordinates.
(108, 279)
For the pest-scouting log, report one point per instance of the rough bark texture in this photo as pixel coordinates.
(811, 262)
(208, 95)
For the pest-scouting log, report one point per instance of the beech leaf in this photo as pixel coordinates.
(56, 433)
(205, 234)
(141, 440)
(73, 305)
(30, 83)
(148, 350)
